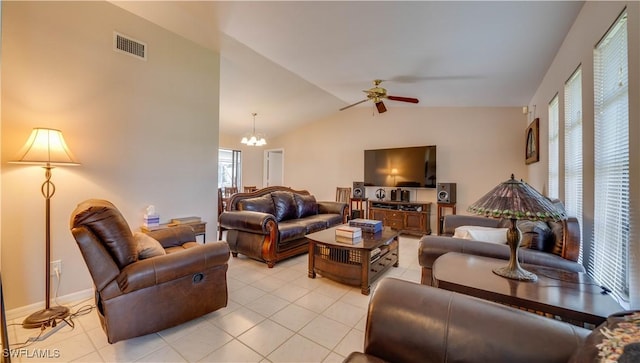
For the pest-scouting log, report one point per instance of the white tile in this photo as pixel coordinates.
(233, 351)
(294, 317)
(238, 321)
(92, 357)
(201, 342)
(290, 292)
(299, 349)
(356, 298)
(234, 284)
(315, 301)
(352, 342)
(162, 355)
(268, 283)
(307, 282)
(131, 349)
(267, 305)
(246, 294)
(65, 350)
(98, 338)
(287, 274)
(334, 357)
(265, 337)
(325, 331)
(362, 324)
(177, 332)
(345, 313)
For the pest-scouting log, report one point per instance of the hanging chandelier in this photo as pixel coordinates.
(254, 139)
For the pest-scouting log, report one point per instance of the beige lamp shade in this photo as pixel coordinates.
(46, 146)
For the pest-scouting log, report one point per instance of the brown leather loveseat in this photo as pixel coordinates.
(409, 322)
(137, 296)
(270, 224)
(553, 244)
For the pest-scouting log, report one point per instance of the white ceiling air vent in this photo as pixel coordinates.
(125, 44)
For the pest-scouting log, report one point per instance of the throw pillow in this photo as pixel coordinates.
(262, 204)
(483, 234)
(286, 207)
(307, 205)
(536, 235)
(147, 246)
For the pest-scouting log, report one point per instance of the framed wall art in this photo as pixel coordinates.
(532, 146)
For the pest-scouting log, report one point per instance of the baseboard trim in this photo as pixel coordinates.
(23, 311)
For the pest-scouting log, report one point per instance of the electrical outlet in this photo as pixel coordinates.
(56, 266)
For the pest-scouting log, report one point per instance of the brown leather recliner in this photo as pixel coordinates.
(136, 297)
(409, 322)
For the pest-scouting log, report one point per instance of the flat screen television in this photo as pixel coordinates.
(410, 167)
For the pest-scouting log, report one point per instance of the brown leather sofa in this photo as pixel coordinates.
(136, 296)
(270, 224)
(558, 250)
(408, 322)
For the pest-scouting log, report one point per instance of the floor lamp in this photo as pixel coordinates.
(46, 147)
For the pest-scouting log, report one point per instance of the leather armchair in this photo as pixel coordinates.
(136, 297)
(408, 322)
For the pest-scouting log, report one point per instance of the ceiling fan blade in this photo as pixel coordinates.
(403, 99)
(380, 107)
(355, 104)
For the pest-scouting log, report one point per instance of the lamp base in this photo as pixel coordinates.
(517, 273)
(45, 317)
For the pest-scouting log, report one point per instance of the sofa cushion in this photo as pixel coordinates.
(290, 230)
(262, 204)
(330, 219)
(312, 224)
(285, 206)
(535, 235)
(307, 205)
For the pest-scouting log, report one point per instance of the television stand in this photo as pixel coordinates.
(405, 217)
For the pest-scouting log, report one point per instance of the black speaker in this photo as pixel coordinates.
(446, 193)
(358, 189)
(355, 214)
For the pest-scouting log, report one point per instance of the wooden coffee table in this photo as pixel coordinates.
(351, 263)
(574, 297)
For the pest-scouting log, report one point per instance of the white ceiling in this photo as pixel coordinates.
(297, 62)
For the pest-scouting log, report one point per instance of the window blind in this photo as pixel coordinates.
(573, 146)
(609, 262)
(554, 149)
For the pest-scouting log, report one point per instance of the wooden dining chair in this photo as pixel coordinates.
(250, 188)
(343, 194)
(229, 191)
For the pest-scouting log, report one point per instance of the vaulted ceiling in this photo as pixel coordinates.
(297, 62)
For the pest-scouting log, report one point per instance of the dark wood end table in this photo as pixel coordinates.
(352, 264)
(574, 297)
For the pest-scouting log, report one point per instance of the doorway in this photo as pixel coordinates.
(273, 167)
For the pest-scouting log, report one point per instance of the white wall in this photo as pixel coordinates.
(477, 148)
(145, 132)
(590, 26)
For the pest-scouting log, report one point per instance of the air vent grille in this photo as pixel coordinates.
(128, 45)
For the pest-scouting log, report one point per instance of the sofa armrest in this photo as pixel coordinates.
(571, 239)
(161, 269)
(329, 207)
(247, 221)
(174, 236)
(459, 328)
(453, 221)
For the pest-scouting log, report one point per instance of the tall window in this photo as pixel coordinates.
(610, 245)
(573, 145)
(229, 168)
(554, 149)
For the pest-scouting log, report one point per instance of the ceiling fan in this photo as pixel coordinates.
(377, 93)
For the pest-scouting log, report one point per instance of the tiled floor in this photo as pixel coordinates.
(273, 315)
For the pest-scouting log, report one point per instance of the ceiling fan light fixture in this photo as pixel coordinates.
(254, 139)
